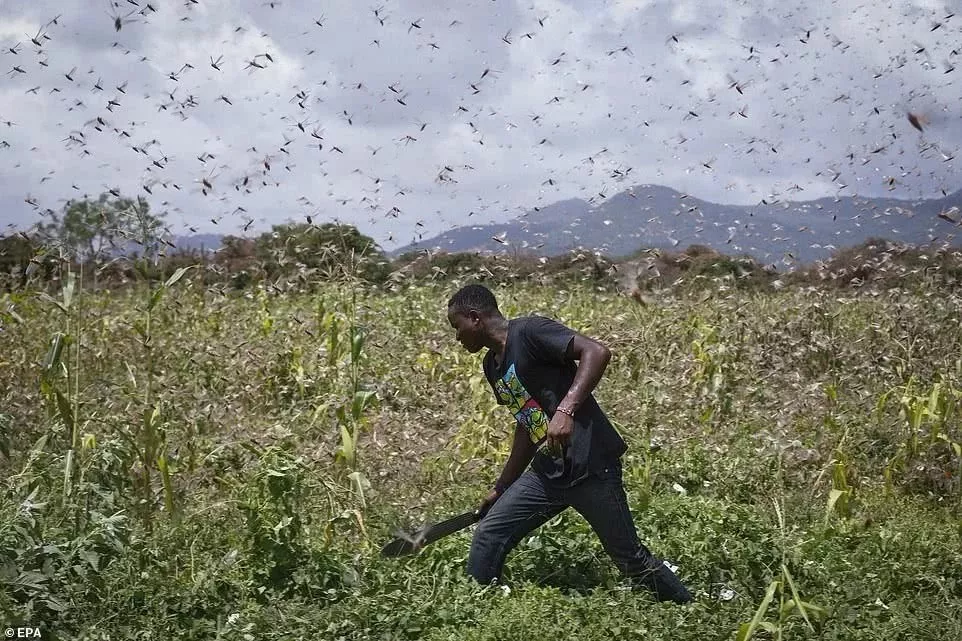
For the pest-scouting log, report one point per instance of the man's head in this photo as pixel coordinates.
(471, 311)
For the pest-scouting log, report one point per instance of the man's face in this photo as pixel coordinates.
(468, 328)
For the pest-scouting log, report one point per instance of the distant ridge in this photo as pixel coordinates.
(660, 217)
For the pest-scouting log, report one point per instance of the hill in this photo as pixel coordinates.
(654, 216)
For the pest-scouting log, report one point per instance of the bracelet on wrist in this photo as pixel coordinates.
(565, 411)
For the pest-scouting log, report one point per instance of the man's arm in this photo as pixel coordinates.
(593, 358)
(522, 451)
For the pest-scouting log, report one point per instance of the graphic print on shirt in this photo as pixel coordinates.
(526, 410)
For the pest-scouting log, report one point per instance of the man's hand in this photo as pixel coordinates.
(488, 502)
(559, 432)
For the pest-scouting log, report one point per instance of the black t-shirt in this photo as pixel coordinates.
(533, 379)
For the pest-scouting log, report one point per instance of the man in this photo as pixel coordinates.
(574, 451)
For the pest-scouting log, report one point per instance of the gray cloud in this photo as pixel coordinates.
(590, 89)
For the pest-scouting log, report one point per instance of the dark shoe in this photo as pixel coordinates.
(664, 585)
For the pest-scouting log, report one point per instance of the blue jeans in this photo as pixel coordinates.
(600, 499)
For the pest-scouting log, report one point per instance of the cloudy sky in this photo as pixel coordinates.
(409, 117)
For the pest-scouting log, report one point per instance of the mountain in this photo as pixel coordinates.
(207, 242)
(653, 216)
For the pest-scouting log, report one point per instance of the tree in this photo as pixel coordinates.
(236, 248)
(17, 251)
(87, 229)
(331, 248)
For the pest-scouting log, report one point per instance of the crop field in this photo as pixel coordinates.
(177, 463)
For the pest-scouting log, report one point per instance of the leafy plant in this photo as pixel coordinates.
(789, 600)
(257, 398)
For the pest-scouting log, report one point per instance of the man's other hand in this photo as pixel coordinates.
(559, 432)
(488, 502)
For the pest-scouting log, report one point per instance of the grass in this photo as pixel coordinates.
(193, 465)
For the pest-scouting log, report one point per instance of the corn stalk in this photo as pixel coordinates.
(150, 443)
(789, 600)
(63, 359)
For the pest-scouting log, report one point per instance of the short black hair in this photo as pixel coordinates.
(474, 296)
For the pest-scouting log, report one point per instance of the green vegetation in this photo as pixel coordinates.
(198, 446)
(182, 461)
